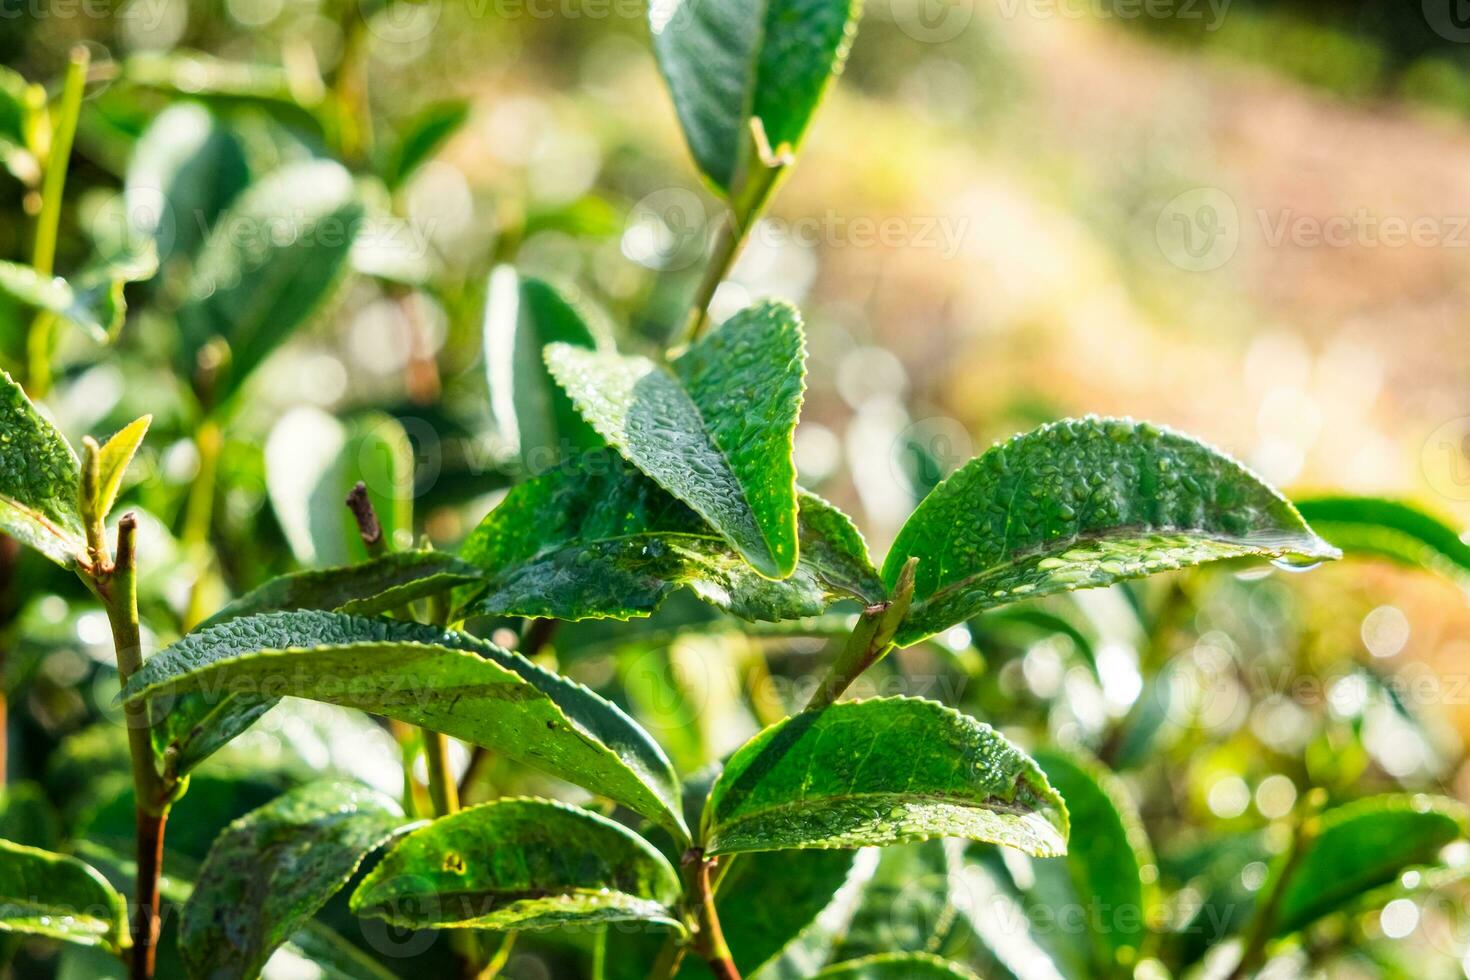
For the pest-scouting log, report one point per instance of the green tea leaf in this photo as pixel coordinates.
(1362, 846)
(1080, 504)
(225, 84)
(444, 681)
(93, 301)
(1401, 532)
(769, 898)
(423, 136)
(198, 724)
(728, 63)
(905, 905)
(58, 897)
(898, 966)
(18, 99)
(716, 431)
(520, 864)
(880, 772)
(1106, 865)
(594, 538)
(113, 460)
(270, 262)
(39, 474)
(531, 412)
(273, 869)
(185, 171)
(366, 589)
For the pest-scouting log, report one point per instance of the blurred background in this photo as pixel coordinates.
(1247, 219)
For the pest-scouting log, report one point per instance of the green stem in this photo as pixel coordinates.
(443, 788)
(199, 515)
(48, 221)
(765, 171)
(1263, 924)
(117, 585)
(870, 641)
(709, 939)
(501, 957)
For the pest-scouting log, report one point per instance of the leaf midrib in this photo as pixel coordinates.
(991, 803)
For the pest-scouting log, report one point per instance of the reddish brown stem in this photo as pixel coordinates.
(145, 913)
(709, 940)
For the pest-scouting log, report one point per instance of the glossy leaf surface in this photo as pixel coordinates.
(727, 63)
(880, 772)
(1080, 504)
(520, 864)
(441, 680)
(715, 431)
(38, 480)
(273, 869)
(597, 539)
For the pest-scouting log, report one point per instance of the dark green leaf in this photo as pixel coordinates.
(533, 416)
(422, 138)
(1362, 846)
(441, 680)
(898, 966)
(185, 170)
(596, 539)
(269, 264)
(58, 897)
(1107, 864)
(273, 869)
(112, 462)
(27, 816)
(1085, 503)
(38, 480)
(1401, 532)
(716, 431)
(520, 864)
(366, 589)
(727, 63)
(768, 899)
(881, 772)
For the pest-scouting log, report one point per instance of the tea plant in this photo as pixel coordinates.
(673, 476)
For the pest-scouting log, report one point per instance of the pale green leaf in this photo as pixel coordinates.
(313, 460)
(58, 897)
(880, 772)
(520, 864)
(273, 869)
(441, 680)
(533, 416)
(729, 62)
(1080, 504)
(596, 539)
(715, 431)
(269, 264)
(185, 171)
(92, 300)
(113, 460)
(39, 475)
